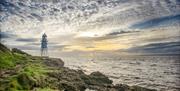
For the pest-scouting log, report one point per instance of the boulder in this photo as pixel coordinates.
(53, 62)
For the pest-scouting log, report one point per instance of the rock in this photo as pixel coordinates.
(76, 80)
(54, 62)
(122, 87)
(97, 78)
(68, 79)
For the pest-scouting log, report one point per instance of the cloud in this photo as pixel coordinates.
(37, 16)
(26, 39)
(4, 35)
(51, 45)
(37, 47)
(26, 47)
(125, 40)
(120, 32)
(8, 5)
(93, 36)
(157, 22)
(162, 48)
(58, 47)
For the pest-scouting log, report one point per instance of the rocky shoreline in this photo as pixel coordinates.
(32, 73)
(77, 80)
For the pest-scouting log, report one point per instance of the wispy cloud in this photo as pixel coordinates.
(158, 48)
(26, 40)
(120, 32)
(6, 35)
(162, 21)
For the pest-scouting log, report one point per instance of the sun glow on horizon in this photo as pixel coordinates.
(97, 46)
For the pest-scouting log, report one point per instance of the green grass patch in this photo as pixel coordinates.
(30, 71)
(9, 59)
(33, 75)
(6, 59)
(36, 70)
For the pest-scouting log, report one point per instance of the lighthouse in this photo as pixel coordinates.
(44, 48)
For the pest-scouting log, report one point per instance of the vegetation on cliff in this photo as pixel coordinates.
(9, 58)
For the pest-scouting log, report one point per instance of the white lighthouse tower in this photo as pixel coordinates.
(44, 48)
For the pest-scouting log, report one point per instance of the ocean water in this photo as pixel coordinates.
(157, 72)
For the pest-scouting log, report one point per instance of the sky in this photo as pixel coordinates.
(86, 26)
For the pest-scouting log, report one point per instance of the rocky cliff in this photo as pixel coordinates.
(21, 71)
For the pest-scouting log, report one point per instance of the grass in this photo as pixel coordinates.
(9, 59)
(30, 76)
(31, 72)
(6, 60)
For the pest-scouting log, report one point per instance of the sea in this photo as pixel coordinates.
(156, 72)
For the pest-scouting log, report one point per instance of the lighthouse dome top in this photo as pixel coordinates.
(44, 35)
